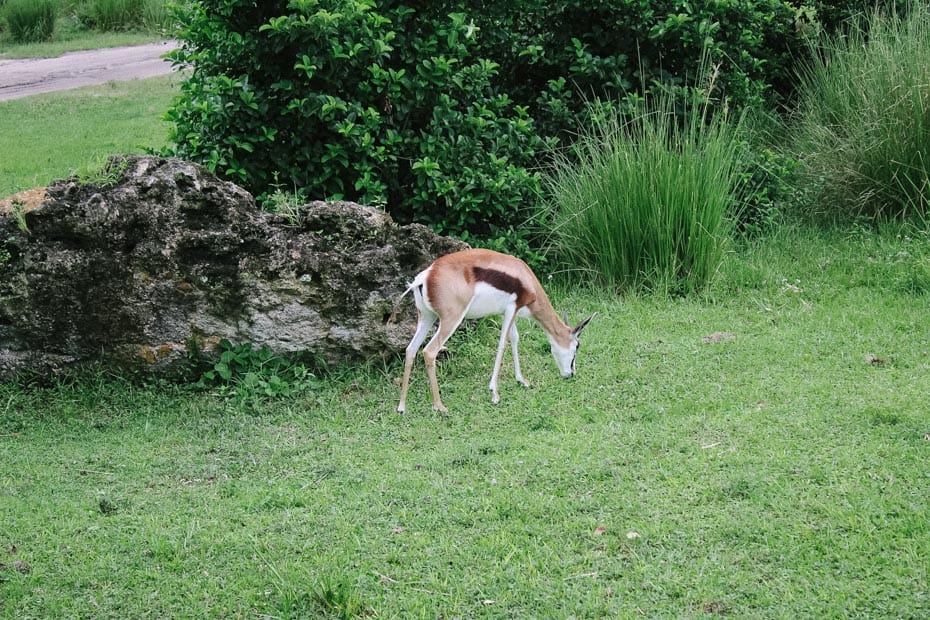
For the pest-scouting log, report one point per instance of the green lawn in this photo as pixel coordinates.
(778, 469)
(73, 41)
(48, 137)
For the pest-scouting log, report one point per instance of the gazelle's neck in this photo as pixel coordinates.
(548, 319)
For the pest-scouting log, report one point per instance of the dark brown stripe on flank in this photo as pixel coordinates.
(502, 282)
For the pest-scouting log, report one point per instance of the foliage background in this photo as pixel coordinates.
(442, 112)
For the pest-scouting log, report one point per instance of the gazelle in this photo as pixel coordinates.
(472, 284)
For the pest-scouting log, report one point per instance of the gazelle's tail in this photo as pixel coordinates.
(393, 317)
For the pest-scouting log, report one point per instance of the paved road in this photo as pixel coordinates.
(31, 76)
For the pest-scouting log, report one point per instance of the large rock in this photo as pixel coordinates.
(166, 259)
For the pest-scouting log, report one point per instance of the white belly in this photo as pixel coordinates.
(487, 301)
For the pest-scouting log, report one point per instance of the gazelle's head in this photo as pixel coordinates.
(565, 354)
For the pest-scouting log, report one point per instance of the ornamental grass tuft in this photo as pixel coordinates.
(863, 121)
(644, 202)
(30, 20)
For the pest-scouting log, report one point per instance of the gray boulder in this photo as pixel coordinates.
(162, 259)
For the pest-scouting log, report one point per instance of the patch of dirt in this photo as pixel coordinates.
(19, 566)
(719, 337)
(715, 608)
(26, 200)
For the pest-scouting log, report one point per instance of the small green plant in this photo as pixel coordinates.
(643, 203)
(18, 211)
(106, 506)
(863, 127)
(253, 374)
(102, 174)
(336, 597)
(30, 20)
(285, 203)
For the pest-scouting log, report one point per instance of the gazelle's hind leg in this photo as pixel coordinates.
(514, 339)
(425, 321)
(443, 332)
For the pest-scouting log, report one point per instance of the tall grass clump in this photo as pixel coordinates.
(155, 15)
(863, 121)
(30, 20)
(643, 202)
(115, 15)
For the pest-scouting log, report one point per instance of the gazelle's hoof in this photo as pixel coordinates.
(400, 408)
(440, 408)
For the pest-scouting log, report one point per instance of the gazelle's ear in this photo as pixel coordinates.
(577, 328)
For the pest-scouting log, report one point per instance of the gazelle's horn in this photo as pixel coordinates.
(577, 329)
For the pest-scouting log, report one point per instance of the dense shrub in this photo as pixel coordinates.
(30, 20)
(836, 16)
(863, 125)
(556, 55)
(345, 100)
(769, 174)
(645, 203)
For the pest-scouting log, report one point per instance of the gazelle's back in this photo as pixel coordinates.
(470, 270)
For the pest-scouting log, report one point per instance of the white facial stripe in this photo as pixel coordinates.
(565, 357)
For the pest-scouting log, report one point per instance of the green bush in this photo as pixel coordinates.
(644, 204)
(837, 16)
(863, 124)
(766, 175)
(769, 174)
(348, 100)
(557, 55)
(30, 20)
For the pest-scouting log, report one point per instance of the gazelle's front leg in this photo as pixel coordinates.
(510, 315)
(514, 339)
